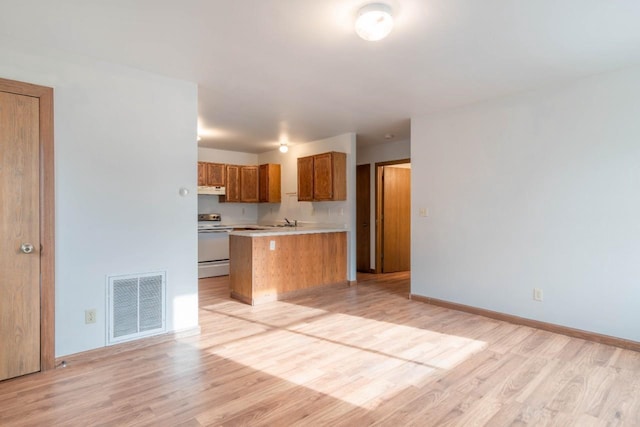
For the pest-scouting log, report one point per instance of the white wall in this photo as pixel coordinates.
(536, 190)
(378, 153)
(232, 213)
(125, 143)
(341, 214)
(385, 152)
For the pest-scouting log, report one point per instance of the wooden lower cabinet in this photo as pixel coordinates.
(299, 263)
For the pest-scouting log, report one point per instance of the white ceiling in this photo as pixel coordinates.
(265, 68)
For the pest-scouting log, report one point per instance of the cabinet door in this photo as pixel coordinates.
(202, 173)
(269, 183)
(338, 176)
(233, 184)
(216, 174)
(305, 179)
(249, 183)
(322, 177)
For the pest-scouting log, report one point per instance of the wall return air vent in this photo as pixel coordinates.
(136, 306)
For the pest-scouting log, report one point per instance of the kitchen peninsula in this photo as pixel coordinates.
(276, 262)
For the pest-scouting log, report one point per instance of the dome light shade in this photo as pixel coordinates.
(283, 147)
(374, 21)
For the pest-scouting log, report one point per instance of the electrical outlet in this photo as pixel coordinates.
(537, 294)
(272, 245)
(90, 316)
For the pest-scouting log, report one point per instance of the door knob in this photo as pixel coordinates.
(26, 248)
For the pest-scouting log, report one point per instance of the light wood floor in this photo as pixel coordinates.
(349, 357)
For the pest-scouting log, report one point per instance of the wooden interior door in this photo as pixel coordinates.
(363, 218)
(396, 219)
(19, 235)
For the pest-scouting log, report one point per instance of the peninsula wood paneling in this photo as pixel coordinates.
(298, 262)
(333, 271)
(241, 269)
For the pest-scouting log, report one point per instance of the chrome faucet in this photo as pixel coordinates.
(291, 224)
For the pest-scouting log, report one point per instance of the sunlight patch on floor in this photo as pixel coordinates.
(355, 359)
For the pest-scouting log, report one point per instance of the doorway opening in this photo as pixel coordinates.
(393, 216)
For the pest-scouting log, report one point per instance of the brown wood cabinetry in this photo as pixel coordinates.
(269, 183)
(322, 177)
(211, 174)
(299, 263)
(242, 184)
(305, 179)
(216, 174)
(233, 184)
(249, 184)
(202, 173)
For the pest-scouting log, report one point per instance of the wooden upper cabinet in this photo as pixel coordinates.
(305, 179)
(216, 174)
(269, 183)
(211, 174)
(202, 173)
(249, 183)
(322, 177)
(233, 184)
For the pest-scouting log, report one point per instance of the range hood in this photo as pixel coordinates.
(216, 191)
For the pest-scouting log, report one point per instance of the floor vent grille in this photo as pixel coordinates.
(136, 306)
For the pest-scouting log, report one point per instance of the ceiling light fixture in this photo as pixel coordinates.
(283, 147)
(374, 21)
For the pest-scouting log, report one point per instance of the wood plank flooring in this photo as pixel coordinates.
(364, 355)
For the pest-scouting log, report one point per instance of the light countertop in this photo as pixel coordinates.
(264, 231)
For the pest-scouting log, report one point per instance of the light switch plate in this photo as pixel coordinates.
(272, 245)
(537, 294)
(423, 212)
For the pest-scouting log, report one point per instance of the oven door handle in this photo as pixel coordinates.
(215, 231)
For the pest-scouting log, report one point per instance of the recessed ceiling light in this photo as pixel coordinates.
(374, 21)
